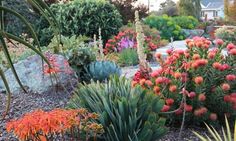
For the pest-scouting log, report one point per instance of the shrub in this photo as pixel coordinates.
(127, 9)
(205, 79)
(226, 34)
(128, 57)
(80, 58)
(67, 44)
(102, 70)
(41, 125)
(126, 38)
(186, 22)
(127, 113)
(166, 25)
(12, 23)
(84, 17)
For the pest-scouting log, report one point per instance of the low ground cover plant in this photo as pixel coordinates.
(42, 125)
(198, 82)
(127, 113)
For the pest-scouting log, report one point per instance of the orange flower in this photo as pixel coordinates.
(198, 80)
(201, 97)
(173, 88)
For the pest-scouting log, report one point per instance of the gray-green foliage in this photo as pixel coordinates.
(128, 57)
(67, 44)
(127, 113)
(102, 70)
(84, 17)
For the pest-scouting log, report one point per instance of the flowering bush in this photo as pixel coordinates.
(47, 125)
(198, 82)
(226, 34)
(127, 39)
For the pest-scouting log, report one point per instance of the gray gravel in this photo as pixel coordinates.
(23, 103)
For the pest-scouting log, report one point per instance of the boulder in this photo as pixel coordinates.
(30, 72)
(190, 33)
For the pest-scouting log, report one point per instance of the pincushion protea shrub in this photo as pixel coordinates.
(45, 126)
(202, 77)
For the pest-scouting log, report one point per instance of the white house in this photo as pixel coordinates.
(213, 9)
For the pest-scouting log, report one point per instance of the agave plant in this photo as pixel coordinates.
(227, 135)
(45, 11)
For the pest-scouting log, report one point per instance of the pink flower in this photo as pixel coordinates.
(219, 42)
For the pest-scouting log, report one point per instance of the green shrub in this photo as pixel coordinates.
(127, 113)
(166, 25)
(80, 58)
(128, 57)
(84, 17)
(67, 43)
(186, 22)
(13, 24)
(102, 70)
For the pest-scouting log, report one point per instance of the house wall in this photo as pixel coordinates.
(210, 14)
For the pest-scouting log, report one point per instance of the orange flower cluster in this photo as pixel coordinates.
(201, 73)
(41, 124)
(55, 68)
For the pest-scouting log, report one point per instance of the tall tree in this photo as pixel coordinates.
(232, 11)
(190, 8)
(226, 9)
(168, 7)
(127, 9)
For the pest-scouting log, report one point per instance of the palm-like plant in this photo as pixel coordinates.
(45, 11)
(227, 135)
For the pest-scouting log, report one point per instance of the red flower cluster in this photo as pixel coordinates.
(201, 74)
(55, 67)
(113, 44)
(41, 124)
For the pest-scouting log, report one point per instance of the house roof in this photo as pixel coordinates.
(212, 4)
(207, 2)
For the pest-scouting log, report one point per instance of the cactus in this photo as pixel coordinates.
(101, 70)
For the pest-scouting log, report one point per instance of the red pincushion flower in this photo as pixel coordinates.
(225, 87)
(213, 116)
(202, 97)
(165, 108)
(169, 101)
(231, 77)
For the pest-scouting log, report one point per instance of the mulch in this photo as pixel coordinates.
(27, 102)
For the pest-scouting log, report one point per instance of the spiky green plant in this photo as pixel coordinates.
(127, 113)
(227, 134)
(102, 70)
(44, 10)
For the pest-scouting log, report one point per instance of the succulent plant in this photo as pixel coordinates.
(102, 70)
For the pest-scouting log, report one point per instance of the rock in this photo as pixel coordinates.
(32, 77)
(190, 33)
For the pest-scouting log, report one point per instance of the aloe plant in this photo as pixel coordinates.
(45, 11)
(127, 113)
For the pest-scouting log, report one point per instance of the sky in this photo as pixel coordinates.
(156, 2)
